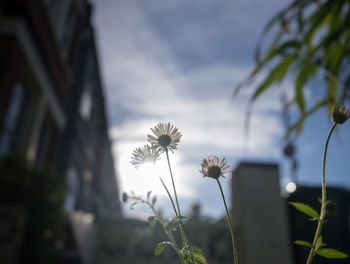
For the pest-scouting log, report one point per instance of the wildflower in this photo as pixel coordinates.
(166, 137)
(144, 154)
(340, 114)
(213, 168)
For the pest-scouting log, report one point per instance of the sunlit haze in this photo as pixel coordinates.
(178, 62)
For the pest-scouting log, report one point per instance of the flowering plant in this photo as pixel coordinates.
(167, 137)
(339, 115)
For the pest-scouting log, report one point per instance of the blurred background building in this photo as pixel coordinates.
(52, 106)
(267, 225)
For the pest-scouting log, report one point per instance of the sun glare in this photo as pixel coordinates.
(146, 177)
(291, 187)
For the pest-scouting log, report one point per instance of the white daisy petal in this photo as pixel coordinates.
(167, 137)
(213, 168)
(144, 154)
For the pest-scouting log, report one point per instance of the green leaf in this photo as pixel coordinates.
(307, 70)
(307, 114)
(272, 22)
(290, 44)
(332, 91)
(275, 75)
(306, 209)
(160, 248)
(303, 243)
(172, 225)
(317, 20)
(270, 54)
(152, 221)
(195, 249)
(198, 256)
(331, 253)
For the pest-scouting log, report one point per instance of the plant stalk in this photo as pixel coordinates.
(173, 183)
(178, 212)
(169, 195)
(171, 237)
(234, 249)
(323, 201)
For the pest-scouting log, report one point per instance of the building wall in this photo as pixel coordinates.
(52, 108)
(259, 215)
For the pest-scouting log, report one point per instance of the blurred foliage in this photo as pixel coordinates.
(311, 39)
(41, 194)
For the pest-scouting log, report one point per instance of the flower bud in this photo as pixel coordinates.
(340, 114)
(125, 197)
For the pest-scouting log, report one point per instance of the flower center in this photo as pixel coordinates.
(164, 140)
(214, 172)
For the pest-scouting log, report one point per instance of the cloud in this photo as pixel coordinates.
(147, 83)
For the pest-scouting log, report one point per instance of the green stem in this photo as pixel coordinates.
(323, 202)
(169, 195)
(171, 237)
(178, 212)
(173, 183)
(229, 224)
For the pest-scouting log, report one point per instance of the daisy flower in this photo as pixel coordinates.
(213, 168)
(166, 136)
(144, 154)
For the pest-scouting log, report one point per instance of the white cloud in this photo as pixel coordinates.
(143, 76)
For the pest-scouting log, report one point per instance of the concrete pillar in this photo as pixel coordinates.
(260, 215)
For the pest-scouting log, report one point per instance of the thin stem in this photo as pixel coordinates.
(229, 224)
(172, 181)
(171, 237)
(323, 202)
(178, 212)
(161, 221)
(169, 195)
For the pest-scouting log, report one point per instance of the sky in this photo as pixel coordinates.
(178, 62)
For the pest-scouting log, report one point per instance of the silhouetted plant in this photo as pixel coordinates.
(166, 137)
(339, 115)
(213, 168)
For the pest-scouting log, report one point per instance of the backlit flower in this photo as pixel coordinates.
(166, 136)
(340, 114)
(213, 168)
(144, 154)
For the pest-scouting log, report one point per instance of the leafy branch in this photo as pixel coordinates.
(311, 39)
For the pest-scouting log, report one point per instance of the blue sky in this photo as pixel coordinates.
(178, 61)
